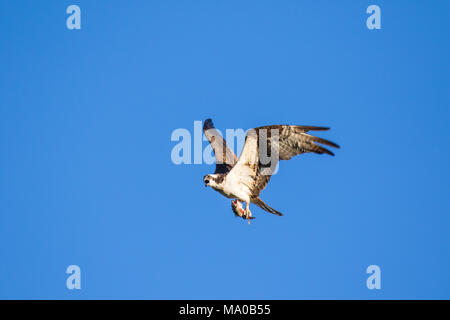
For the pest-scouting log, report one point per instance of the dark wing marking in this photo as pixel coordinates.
(253, 167)
(225, 157)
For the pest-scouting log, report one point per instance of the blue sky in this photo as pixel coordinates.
(86, 176)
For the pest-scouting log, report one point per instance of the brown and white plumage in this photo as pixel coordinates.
(245, 178)
(225, 157)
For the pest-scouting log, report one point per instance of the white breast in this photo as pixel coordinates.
(236, 188)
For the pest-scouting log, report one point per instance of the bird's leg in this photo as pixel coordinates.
(248, 214)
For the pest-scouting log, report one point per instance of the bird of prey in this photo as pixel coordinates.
(243, 179)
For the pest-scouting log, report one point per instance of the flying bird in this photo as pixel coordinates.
(243, 179)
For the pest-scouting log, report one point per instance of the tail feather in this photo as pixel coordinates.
(266, 207)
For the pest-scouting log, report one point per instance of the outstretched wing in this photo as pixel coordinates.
(225, 157)
(265, 146)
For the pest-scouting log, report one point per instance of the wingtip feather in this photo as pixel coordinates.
(208, 124)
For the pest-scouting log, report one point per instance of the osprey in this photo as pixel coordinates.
(243, 179)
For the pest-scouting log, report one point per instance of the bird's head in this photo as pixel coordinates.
(212, 180)
(207, 179)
